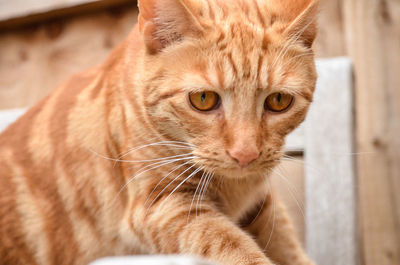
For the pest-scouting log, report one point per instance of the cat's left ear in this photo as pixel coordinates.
(164, 22)
(304, 26)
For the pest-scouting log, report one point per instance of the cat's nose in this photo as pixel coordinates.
(244, 156)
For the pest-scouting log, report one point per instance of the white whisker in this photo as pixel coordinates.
(158, 184)
(273, 216)
(202, 193)
(169, 184)
(194, 196)
(299, 205)
(158, 164)
(201, 190)
(262, 206)
(162, 143)
(183, 181)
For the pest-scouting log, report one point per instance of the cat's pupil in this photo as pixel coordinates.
(279, 97)
(203, 97)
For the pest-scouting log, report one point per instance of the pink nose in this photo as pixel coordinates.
(244, 157)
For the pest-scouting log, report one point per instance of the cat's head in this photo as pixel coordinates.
(230, 77)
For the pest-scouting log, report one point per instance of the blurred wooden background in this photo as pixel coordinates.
(44, 42)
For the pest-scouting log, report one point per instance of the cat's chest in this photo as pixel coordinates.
(241, 198)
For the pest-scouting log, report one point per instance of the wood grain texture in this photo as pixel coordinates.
(34, 61)
(330, 40)
(373, 41)
(25, 12)
(330, 182)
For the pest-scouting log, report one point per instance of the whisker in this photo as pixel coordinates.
(163, 161)
(262, 206)
(158, 159)
(273, 218)
(182, 182)
(292, 187)
(194, 196)
(330, 153)
(201, 190)
(205, 188)
(299, 205)
(162, 143)
(158, 184)
(301, 162)
(169, 184)
(145, 160)
(158, 164)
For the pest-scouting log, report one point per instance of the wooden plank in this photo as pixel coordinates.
(35, 61)
(373, 40)
(330, 178)
(17, 13)
(330, 40)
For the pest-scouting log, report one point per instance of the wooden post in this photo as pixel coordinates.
(330, 177)
(373, 41)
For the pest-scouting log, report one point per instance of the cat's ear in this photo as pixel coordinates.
(304, 27)
(163, 22)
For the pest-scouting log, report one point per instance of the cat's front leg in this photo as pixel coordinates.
(167, 228)
(275, 233)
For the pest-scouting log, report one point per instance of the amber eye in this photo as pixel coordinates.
(278, 102)
(204, 101)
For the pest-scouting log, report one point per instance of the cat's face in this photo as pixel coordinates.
(233, 90)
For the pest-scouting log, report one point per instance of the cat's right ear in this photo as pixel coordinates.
(304, 26)
(164, 22)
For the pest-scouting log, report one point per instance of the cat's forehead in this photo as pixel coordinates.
(244, 50)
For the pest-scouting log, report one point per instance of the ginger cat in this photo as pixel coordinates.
(167, 146)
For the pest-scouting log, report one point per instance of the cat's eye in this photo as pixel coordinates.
(204, 101)
(278, 102)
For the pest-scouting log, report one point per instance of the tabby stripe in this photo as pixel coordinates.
(259, 70)
(210, 10)
(230, 58)
(57, 224)
(137, 213)
(40, 181)
(31, 209)
(221, 37)
(12, 239)
(259, 14)
(82, 229)
(162, 96)
(246, 9)
(265, 42)
(99, 83)
(220, 74)
(67, 99)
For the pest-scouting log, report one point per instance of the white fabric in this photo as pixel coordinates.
(9, 116)
(150, 260)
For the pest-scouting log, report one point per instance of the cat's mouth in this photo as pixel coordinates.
(256, 169)
(232, 169)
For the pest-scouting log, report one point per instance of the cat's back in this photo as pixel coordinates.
(32, 213)
(52, 204)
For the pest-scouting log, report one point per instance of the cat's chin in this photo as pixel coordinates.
(239, 173)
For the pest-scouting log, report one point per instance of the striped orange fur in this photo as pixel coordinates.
(116, 161)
